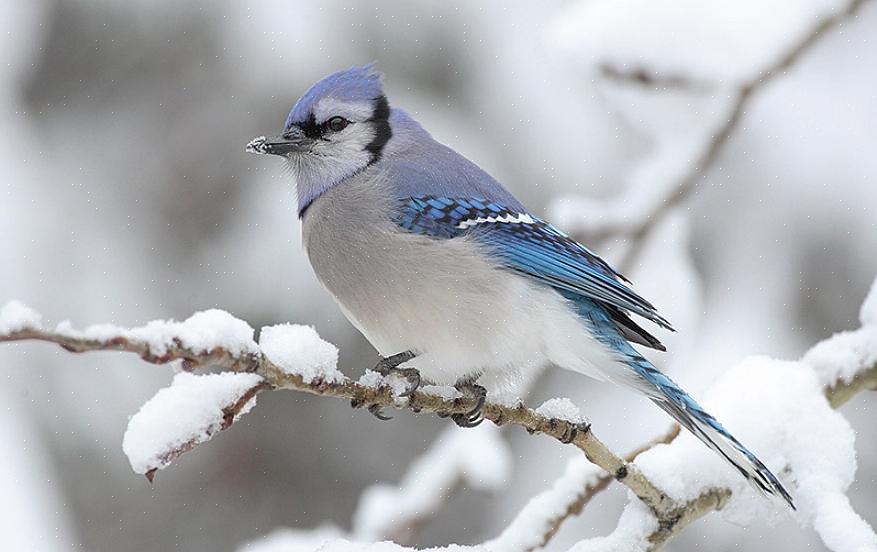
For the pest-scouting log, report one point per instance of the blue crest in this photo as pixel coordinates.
(354, 84)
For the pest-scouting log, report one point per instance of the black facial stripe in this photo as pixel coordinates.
(310, 128)
(381, 120)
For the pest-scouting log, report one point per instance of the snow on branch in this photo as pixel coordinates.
(293, 358)
(186, 414)
(680, 159)
(673, 484)
(810, 443)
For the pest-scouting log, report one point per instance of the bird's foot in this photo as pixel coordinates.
(470, 390)
(389, 366)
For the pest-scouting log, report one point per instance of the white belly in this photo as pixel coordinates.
(442, 299)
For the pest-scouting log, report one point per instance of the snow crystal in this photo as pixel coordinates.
(477, 456)
(868, 313)
(203, 331)
(16, 316)
(299, 350)
(561, 409)
(190, 411)
(530, 525)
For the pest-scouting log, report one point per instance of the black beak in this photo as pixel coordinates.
(291, 141)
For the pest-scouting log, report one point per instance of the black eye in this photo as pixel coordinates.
(336, 124)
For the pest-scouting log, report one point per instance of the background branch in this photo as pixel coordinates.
(705, 155)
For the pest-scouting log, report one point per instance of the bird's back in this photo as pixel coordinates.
(418, 165)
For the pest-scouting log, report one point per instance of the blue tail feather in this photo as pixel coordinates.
(643, 377)
(676, 402)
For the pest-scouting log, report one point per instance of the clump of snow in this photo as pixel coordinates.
(15, 316)
(843, 355)
(634, 527)
(561, 409)
(868, 313)
(479, 457)
(779, 411)
(293, 540)
(188, 412)
(444, 392)
(371, 379)
(527, 530)
(299, 350)
(203, 331)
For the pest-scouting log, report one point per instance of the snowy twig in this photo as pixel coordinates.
(705, 155)
(293, 357)
(538, 522)
(841, 392)
(331, 384)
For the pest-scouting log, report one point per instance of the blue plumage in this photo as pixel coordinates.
(526, 244)
(354, 84)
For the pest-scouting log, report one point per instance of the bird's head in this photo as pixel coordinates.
(336, 129)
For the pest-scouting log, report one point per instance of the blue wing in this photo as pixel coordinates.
(530, 246)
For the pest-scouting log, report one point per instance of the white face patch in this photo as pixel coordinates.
(327, 108)
(520, 218)
(332, 158)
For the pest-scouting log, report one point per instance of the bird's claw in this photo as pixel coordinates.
(473, 417)
(390, 366)
(377, 411)
(387, 364)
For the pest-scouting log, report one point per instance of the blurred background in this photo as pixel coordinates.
(126, 195)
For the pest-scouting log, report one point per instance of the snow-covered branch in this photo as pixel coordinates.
(679, 161)
(294, 357)
(669, 479)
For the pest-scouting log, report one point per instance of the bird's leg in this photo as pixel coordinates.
(390, 366)
(470, 390)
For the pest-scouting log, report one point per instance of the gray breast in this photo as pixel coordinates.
(396, 287)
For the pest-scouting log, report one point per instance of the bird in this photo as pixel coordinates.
(450, 277)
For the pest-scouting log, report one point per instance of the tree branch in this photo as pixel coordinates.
(579, 435)
(703, 161)
(671, 516)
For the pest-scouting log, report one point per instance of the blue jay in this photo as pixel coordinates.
(440, 267)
